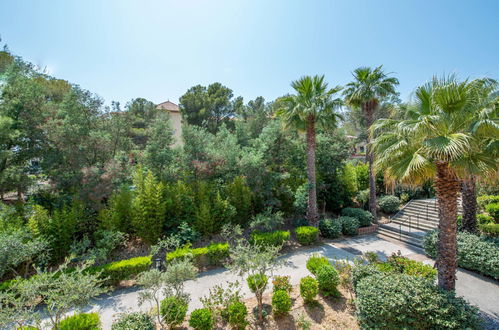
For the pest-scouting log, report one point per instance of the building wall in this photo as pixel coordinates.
(176, 121)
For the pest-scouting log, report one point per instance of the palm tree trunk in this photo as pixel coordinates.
(447, 188)
(468, 190)
(312, 191)
(369, 108)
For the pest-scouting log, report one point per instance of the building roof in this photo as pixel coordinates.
(170, 106)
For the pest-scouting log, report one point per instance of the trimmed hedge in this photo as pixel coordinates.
(473, 252)
(389, 204)
(330, 228)
(201, 319)
(309, 289)
(349, 225)
(307, 235)
(273, 238)
(316, 261)
(81, 321)
(490, 229)
(122, 270)
(237, 312)
(493, 210)
(281, 303)
(364, 218)
(485, 200)
(398, 301)
(328, 279)
(212, 255)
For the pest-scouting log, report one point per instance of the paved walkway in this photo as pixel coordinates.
(478, 290)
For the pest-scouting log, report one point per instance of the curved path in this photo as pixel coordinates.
(478, 290)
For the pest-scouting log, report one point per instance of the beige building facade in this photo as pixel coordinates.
(175, 118)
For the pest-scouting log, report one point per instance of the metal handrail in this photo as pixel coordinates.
(409, 221)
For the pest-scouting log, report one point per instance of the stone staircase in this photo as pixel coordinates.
(411, 223)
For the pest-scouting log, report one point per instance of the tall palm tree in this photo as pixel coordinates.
(313, 105)
(367, 91)
(434, 144)
(483, 116)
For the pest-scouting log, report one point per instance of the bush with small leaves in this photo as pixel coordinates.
(490, 229)
(330, 228)
(484, 219)
(133, 321)
(82, 321)
(257, 282)
(363, 217)
(398, 301)
(349, 225)
(282, 283)
(309, 289)
(315, 261)
(328, 280)
(173, 310)
(201, 319)
(361, 271)
(389, 204)
(493, 210)
(273, 238)
(307, 235)
(237, 313)
(281, 303)
(473, 252)
(485, 200)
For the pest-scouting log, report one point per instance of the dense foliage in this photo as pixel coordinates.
(133, 321)
(330, 228)
(473, 252)
(307, 235)
(81, 321)
(419, 304)
(389, 204)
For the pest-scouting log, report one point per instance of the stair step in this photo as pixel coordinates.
(403, 238)
(414, 222)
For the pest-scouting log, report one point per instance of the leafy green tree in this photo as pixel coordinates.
(19, 305)
(239, 195)
(118, 214)
(312, 106)
(367, 91)
(159, 155)
(208, 107)
(148, 206)
(433, 144)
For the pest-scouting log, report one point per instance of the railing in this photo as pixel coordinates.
(409, 222)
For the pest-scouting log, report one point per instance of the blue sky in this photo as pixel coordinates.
(158, 49)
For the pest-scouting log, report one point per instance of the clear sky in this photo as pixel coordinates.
(158, 49)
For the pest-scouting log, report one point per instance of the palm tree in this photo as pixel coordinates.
(367, 91)
(313, 105)
(483, 117)
(433, 142)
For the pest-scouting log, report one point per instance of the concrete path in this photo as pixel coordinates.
(478, 290)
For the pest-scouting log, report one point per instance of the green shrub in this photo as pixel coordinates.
(173, 310)
(485, 200)
(218, 253)
(82, 321)
(274, 238)
(484, 219)
(257, 282)
(122, 270)
(281, 303)
(349, 225)
(315, 261)
(407, 302)
(240, 196)
(267, 221)
(307, 235)
(490, 229)
(201, 319)
(363, 217)
(330, 228)
(309, 289)
(214, 254)
(398, 264)
(361, 271)
(389, 204)
(328, 279)
(117, 215)
(237, 313)
(282, 283)
(133, 321)
(473, 252)
(493, 211)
